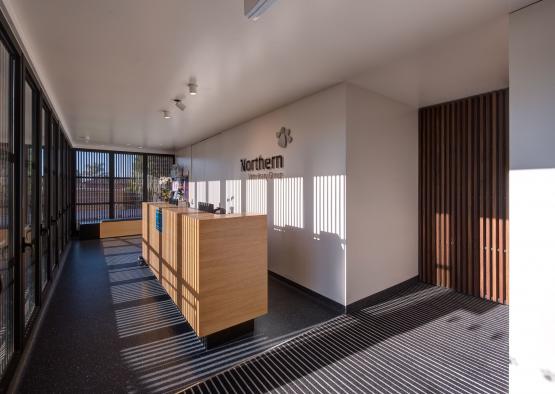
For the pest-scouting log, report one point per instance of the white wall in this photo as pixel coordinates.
(351, 180)
(306, 211)
(382, 198)
(532, 199)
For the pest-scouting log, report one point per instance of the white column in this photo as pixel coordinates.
(532, 199)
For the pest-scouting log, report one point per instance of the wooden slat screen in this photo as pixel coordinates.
(463, 199)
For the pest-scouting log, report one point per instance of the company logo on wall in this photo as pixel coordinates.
(284, 137)
(260, 164)
(268, 163)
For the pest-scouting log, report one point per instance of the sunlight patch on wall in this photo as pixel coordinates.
(288, 202)
(193, 194)
(257, 196)
(201, 192)
(531, 325)
(233, 196)
(329, 205)
(214, 193)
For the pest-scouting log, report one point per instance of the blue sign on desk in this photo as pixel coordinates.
(159, 219)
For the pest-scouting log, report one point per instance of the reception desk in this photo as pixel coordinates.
(214, 267)
(152, 238)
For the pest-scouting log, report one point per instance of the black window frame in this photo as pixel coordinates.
(20, 72)
(112, 177)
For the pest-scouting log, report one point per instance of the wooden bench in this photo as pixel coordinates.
(110, 228)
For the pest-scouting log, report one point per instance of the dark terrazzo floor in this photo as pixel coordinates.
(423, 340)
(111, 328)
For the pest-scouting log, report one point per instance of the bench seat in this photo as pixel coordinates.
(108, 228)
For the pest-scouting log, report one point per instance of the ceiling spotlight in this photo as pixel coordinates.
(180, 104)
(166, 114)
(193, 89)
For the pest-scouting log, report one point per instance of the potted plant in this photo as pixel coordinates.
(165, 188)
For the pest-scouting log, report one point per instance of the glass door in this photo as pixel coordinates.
(53, 195)
(28, 192)
(59, 194)
(63, 191)
(44, 194)
(7, 258)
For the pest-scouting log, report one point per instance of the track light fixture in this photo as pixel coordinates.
(166, 114)
(193, 89)
(179, 104)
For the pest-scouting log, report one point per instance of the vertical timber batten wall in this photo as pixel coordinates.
(463, 195)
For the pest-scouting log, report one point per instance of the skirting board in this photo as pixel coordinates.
(357, 305)
(335, 306)
(380, 296)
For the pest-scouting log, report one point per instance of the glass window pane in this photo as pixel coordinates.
(128, 185)
(45, 241)
(93, 181)
(6, 191)
(53, 195)
(92, 186)
(28, 255)
(157, 166)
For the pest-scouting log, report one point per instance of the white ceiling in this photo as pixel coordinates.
(460, 66)
(111, 66)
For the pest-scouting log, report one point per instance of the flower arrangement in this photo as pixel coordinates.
(229, 203)
(165, 183)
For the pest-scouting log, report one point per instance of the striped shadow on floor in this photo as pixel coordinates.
(424, 340)
(128, 273)
(158, 347)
